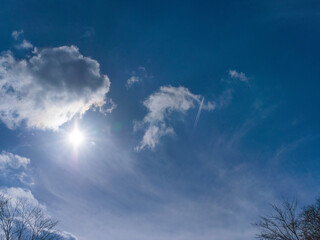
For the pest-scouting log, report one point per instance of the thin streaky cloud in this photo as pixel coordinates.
(11, 160)
(198, 114)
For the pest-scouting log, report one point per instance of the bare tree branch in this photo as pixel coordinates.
(21, 220)
(283, 224)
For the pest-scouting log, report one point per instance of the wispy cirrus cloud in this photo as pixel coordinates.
(49, 88)
(11, 160)
(16, 166)
(160, 106)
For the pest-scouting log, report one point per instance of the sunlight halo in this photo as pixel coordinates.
(76, 137)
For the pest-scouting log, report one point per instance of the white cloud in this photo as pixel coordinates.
(65, 236)
(13, 165)
(16, 193)
(132, 80)
(161, 105)
(138, 76)
(25, 178)
(24, 45)
(238, 75)
(50, 88)
(11, 160)
(16, 34)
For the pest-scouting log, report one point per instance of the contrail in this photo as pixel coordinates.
(198, 114)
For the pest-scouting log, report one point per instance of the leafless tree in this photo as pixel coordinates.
(8, 214)
(310, 222)
(283, 224)
(21, 223)
(41, 226)
(21, 220)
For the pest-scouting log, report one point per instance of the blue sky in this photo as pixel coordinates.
(195, 114)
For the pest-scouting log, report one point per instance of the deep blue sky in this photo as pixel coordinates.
(257, 62)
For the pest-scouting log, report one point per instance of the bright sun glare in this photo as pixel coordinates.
(76, 137)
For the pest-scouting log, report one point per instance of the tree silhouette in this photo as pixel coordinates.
(287, 222)
(22, 220)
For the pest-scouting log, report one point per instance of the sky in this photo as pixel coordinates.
(153, 120)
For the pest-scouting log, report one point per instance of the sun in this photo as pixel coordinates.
(76, 137)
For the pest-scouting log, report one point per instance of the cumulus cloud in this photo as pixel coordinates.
(161, 105)
(65, 236)
(49, 88)
(238, 75)
(16, 193)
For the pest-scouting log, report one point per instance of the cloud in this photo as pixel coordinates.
(198, 114)
(132, 80)
(137, 76)
(13, 165)
(11, 160)
(25, 178)
(49, 88)
(161, 105)
(16, 193)
(65, 236)
(16, 34)
(24, 45)
(238, 75)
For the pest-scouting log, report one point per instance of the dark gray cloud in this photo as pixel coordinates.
(50, 88)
